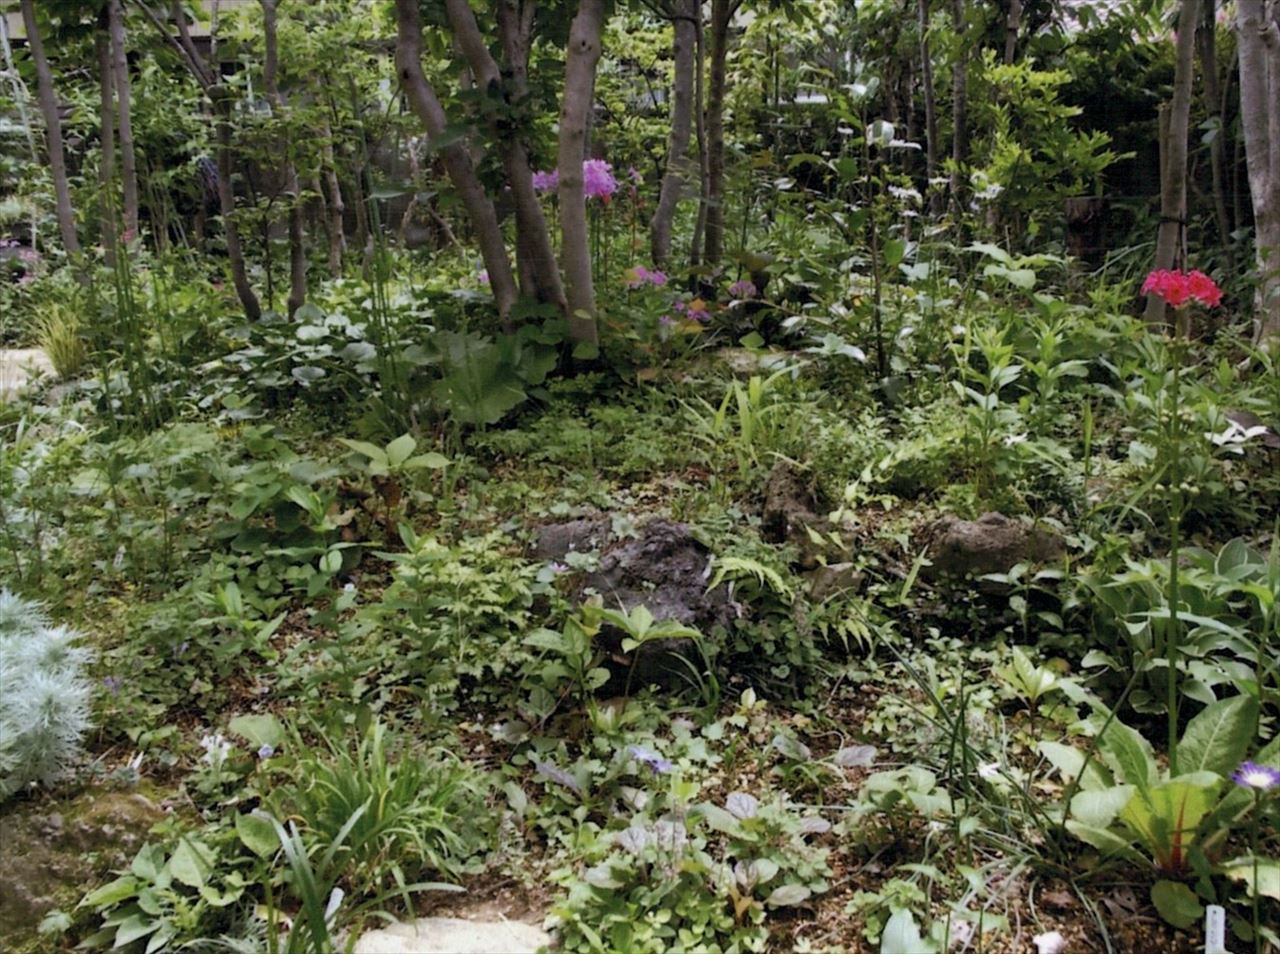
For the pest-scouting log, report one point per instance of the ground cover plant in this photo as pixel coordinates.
(642, 471)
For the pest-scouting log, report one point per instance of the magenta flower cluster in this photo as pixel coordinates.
(639, 276)
(597, 180)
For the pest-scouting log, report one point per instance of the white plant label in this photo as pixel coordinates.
(1215, 930)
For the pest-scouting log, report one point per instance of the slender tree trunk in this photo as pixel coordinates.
(581, 57)
(53, 131)
(336, 207)
(1013, 23)
(722, 12)
(221, 97)
(1258, 28)
(106, 139)
(128, 159)
(1173, 170)
(271, 82)
(1208, 38)
(684, 39)
(959, 113)
(930, 105)
(700, 130)
(456, 158)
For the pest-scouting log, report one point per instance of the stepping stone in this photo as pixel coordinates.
(454, 936)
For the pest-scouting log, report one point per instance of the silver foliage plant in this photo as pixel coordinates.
(44, 696)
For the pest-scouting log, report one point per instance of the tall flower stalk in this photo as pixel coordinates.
(1178, 289)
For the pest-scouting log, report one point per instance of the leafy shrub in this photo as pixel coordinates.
(44, 698)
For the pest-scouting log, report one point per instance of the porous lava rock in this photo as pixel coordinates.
(666, 570)
(993, 543)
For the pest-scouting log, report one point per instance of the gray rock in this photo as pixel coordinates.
(555, 541)
(19, 366)
(665, 570)
(828, 581)
(791, 509)
(993, 543)
(454, 936)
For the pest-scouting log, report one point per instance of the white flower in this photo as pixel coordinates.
(216, 749)
(989, 771)
(1051, 942)
(1235, 435)
(1014, 439)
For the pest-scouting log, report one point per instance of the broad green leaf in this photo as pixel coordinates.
(1241, 869)
(784, 896)
(400, 449)
(1131, 754)
(1176, 903)
(1216, 740)
(371, 451)
(257, 834)
(1098, 809)
(1070, 761)
(135, 927)
(1106, 841)
(258, 730)
(901, 935)
(111, 893)
(192, 862)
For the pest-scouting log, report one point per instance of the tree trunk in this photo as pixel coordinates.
(106, 140)
(581, 57)
(53, 131)
(271, 82)
(684, 39)
(336, 207)
(700, 130)
(1258, 26)
(1012, 24)
(1173, 168)
(128, 160)
(930, 105)
(959, 112)
(722, 12)
(456, 158)
(536, 260)
(221, 97)
(1213, 106)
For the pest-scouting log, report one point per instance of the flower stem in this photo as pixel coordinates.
(1175, 521)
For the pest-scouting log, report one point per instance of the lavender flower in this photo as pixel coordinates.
(1260, 777)
(266, 752)
(656, 762)
(546, 181)
(743, 289)
(597, 179)
(639, 276)
(113, 684)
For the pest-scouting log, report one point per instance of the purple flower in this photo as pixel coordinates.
(1253, 775)
(546, 181)
(266, 752)
(597, 179)
(634, 173)
(743, 289)
(656, 762)
(113, 683)
(483, 276)
(666, 321)
(639, 276)
(695, 310)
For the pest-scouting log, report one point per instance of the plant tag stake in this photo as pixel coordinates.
(1215, 930)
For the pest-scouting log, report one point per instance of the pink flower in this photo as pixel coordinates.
(743, 289)
(639, 275)
(634, 173)
(483, 276)
(546, 181)
(597, 179)
(1176, 287)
